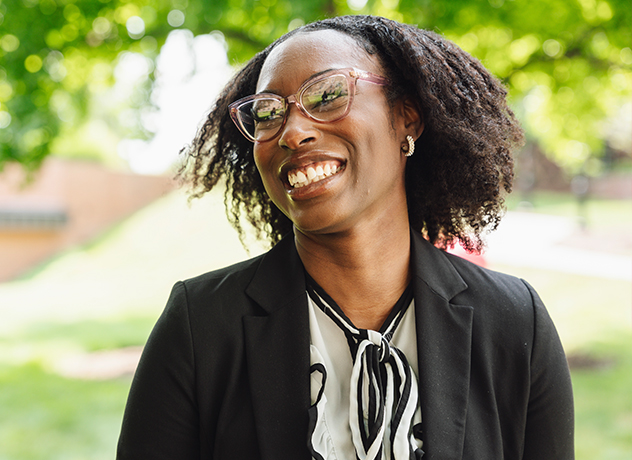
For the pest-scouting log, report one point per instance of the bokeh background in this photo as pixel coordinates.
(97, 97)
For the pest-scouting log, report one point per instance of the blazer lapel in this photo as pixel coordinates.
(277, 344)
(277, 354)
(444, 332)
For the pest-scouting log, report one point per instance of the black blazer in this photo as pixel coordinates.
(225, 372)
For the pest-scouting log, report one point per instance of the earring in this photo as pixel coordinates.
(409, 149)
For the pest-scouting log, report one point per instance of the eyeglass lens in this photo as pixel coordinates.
(325, 100)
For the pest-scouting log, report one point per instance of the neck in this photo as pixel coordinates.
(364, 270)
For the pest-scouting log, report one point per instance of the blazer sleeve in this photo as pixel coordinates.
(161, 416)
(549, 430)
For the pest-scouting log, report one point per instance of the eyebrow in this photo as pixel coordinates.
(317, 74)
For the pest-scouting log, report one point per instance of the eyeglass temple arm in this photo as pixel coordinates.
(368, 76)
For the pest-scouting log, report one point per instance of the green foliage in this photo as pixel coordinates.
(567, 63)
(55, 55)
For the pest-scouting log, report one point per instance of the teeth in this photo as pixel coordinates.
(311, 174)
(298, 179)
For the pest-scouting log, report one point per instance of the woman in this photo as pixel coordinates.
(365, 144)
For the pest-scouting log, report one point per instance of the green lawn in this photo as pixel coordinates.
(102, 296)
(603, 397)
(108, 294)
(45, 416)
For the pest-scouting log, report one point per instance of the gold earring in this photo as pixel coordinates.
(410, 149)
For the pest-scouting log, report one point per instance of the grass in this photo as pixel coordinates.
(603, 400)
(45, 416)
(108, 294)
(92, 335)
(102, 296)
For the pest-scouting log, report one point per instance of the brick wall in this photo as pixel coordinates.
(66, 203)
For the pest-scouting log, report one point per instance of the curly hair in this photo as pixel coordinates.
(455, 182)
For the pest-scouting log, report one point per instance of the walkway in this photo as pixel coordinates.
(542, 241)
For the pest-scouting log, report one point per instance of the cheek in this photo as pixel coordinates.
(381, 140)
(262, 167)
(257, 154)
(262, 162)
(267, 172)
(375, 122)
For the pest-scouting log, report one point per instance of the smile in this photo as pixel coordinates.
(302, 177)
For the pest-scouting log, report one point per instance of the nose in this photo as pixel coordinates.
(298, 131)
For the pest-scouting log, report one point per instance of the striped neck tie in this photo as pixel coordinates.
(384, 396)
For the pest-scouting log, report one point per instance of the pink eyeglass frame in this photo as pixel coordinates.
(351, 74)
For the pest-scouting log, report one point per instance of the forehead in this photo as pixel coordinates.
(303, 55)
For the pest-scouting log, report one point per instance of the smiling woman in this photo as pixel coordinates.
(360, 147)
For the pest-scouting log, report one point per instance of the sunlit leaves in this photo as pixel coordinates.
(6, 91)
(567, 74)
(135, 27)
(175, 18)
(50, 77)
(9, 43)
(596, 11)
(33, 63)
(567, 63)
(5, 119)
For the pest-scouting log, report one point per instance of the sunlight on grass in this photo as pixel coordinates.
(603, 401)
(45, 416)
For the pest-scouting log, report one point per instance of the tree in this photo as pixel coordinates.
(567, 63)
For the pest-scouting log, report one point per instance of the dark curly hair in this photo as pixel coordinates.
(462, 165)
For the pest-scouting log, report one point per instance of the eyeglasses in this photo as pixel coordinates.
(324, 98)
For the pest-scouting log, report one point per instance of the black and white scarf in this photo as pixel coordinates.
(383, 388)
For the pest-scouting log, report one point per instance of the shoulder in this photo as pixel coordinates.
(462, 282)
(227, 279)
(484, 284)
(218, 295)
(506, 309)
(245, 287)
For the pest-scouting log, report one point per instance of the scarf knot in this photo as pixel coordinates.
(383, 398)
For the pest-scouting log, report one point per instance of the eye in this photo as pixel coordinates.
(328, 94)
(267, 111)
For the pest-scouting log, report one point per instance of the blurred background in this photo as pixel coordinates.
(97, 97)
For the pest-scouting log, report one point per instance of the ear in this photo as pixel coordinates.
(411, 117)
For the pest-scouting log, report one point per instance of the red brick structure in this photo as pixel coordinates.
(66, 203)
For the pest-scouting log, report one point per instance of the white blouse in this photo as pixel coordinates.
(332, 437)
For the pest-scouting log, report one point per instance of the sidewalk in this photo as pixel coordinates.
(539, 241)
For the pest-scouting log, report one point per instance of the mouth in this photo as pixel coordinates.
(302, 177)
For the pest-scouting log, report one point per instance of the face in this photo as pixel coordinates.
(330, 177)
